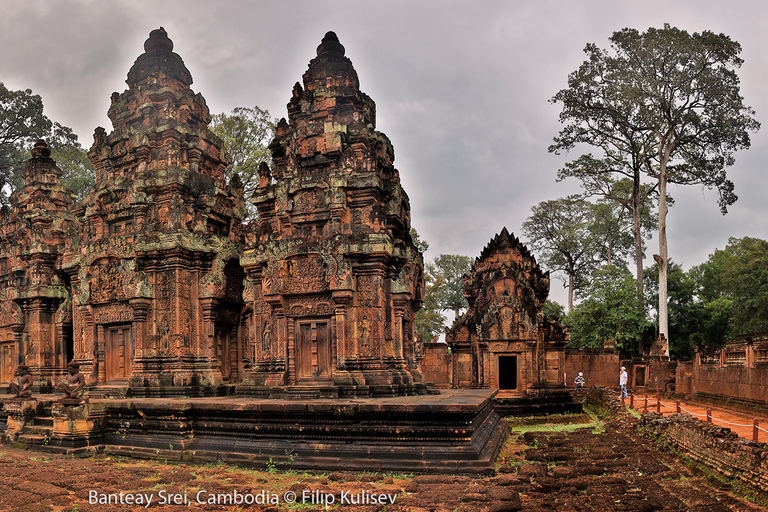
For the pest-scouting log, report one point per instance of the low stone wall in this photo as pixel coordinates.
(436, 364)
(714, 446)
(600, 367)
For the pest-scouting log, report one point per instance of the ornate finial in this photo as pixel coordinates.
(158, 40)
(330, 44)
(41, 149)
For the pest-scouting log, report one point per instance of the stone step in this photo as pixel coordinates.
(44, 430)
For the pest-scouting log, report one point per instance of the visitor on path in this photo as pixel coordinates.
(579, 381)
(623, 382)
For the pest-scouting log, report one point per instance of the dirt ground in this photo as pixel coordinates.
(570, 466)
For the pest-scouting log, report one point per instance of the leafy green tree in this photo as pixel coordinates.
(246, 134)
(22, 122)
(429, 320)
(559, 232)
(447, 271)
(616, 178)
(745, 277)
(554, 308)
(699, 314)
(609, 231)
(609, 312)
(676, 96)
(421, 244)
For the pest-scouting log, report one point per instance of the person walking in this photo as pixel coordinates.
(623, 382)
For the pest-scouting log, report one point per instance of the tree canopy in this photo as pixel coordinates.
(558, 231)
(22, 122)
(609, 312)
(673, 100)
(246, 134)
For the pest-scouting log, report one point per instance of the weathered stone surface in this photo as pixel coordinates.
(336, 277)
(153, 284)
(34, 299)
(504, 340)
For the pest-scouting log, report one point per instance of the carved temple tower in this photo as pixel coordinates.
(156, 280)
(35, 319)
(504, 340)
(335, 275)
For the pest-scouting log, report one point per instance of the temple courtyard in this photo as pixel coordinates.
(562, 462)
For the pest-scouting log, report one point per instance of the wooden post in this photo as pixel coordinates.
(645, 407)
(709, 415)
(632, 400)
(658, 405)
(755, 430)
(677, 406)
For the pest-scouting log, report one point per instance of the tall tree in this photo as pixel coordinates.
(429, 320)
(745, 278)
(616, 178)
(246, 134)
(611, 234)
(608, 312)
(22, 122)
(678, 94)
(558, 230)
(448, 271)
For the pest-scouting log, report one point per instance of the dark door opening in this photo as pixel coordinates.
(507, 372)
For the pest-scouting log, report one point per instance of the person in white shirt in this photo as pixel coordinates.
(623, 382)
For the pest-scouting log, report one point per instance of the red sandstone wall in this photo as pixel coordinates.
(600, 367)
(739, 386)
(717, 448)
(436, 365)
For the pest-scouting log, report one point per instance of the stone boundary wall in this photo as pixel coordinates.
(436, 364)
(600, 367)
(735, 376)
(716, 447)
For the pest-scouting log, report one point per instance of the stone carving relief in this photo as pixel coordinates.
(303, 275)
(309, 306)
(106, 281)
(113, 314)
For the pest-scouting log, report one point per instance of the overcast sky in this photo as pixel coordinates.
(461, 89)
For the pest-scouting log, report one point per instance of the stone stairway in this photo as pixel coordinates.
(39, 432)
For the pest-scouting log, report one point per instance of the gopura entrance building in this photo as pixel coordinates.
(504, 340)
(149, 284)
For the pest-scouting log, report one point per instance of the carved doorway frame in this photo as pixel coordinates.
(118, 352)
(313, 350)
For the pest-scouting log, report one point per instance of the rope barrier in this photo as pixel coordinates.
(678, 407)
(693, 413)
(729, 423)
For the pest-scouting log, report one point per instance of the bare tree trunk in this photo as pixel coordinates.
(570, 291)
(637, 232)
(662, 259)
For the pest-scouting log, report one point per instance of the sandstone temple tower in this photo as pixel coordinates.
(155, 278)
(336, 277)
(504, 340)
(156, 287)
(35, 304)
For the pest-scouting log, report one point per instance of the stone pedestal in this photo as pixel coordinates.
(21, 412)
(78, 421)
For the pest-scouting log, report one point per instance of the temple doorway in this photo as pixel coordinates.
(224, 352)
(7, 361)
(507, 372)
(119, 352)
(313, 351)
